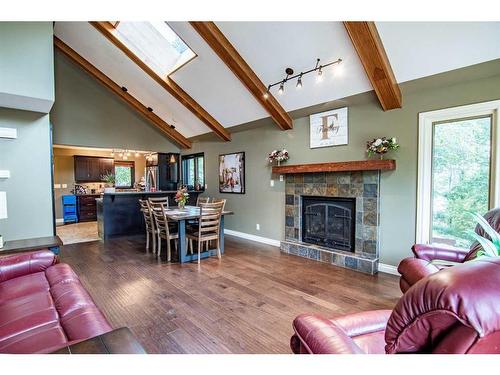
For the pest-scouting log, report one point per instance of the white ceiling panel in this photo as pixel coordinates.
(270, 47)
(94, 47)
(420, 49)
(212, 84)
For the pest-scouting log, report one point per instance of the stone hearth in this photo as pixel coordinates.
(364, 186)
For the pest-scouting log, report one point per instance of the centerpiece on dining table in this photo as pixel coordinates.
(181, 197)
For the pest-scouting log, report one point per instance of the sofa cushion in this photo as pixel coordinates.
(23, 286)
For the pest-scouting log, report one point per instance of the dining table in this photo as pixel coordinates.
(190, 213)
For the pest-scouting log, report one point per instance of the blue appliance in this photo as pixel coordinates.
(69, 209)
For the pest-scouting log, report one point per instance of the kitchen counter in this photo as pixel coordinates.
(119, 214)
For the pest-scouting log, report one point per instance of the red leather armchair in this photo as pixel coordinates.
(454, 311)
(43, 305)
(413, 269)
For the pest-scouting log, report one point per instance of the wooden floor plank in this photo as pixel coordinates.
(244, 303)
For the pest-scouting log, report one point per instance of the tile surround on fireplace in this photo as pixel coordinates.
(364, 186)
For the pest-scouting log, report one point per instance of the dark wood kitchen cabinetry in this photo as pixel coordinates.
(91, 168)
(87, 207)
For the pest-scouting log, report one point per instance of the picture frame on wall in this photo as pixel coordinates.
(232, 173)
(330, 128)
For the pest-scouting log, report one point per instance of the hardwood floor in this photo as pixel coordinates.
(244, 303)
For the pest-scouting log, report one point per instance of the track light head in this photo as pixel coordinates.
(281, 90)
(319, 77)
(266, 94)
(299, 82)
(124, 89)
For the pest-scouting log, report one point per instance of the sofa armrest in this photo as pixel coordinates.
(12, 266)
(413, 270)
(443, 252)
(318, 335)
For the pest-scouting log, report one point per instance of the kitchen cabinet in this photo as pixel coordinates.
(87, 207)
(91, 168)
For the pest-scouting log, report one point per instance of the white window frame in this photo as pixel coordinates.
(425, 143)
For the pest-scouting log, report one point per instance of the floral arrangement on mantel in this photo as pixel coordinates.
(181, 197)
(278, 156)
(381, 146)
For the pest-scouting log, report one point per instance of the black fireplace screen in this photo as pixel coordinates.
(329, 222)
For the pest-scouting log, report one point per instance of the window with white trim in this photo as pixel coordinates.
(456, 173)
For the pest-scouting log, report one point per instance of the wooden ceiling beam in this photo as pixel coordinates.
(368, 45)
(227, 53)
(164, 127)
(108, 30)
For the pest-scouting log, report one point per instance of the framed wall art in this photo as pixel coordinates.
(232, 173)
(329, 128)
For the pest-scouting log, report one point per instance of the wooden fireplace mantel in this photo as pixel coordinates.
(342, 166)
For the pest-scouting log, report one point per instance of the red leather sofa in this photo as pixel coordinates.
(43, 305)
(413, 269)
(454, 311)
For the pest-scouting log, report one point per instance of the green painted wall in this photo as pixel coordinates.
(27, 61)
(265, 205)
(26, 58)
(88, 114)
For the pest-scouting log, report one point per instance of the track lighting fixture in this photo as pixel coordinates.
(150, 109)
(124, 89)
(137, 154)
(289, 76)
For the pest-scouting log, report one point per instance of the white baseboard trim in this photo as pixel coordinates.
(387, 268)
(252, 237)
(59, 221)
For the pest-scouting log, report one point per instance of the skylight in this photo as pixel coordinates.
(156, 44)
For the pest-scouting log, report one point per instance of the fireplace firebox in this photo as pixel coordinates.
(329, 222)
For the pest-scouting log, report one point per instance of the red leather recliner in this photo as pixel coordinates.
(413, 269)
(43, 305)
(454, 311)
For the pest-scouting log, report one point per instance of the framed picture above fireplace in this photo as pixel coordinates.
(329, 128)
(232, 173)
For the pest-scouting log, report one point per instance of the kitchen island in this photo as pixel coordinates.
(119, 214)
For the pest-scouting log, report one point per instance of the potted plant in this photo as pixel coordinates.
(109, 182)
(181, 197)
(381, 146)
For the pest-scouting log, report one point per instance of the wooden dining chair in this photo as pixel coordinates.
(200, 200)
(163, 200)
(208, 228)
(150, 224)
(163, 229)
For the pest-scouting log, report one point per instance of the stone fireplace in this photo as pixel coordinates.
(333, 217)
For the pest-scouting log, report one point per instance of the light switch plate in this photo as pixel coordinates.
(64, 186)
(9, 133)
(272, 183)
(4, 174)
(281, 177)
(57, 186)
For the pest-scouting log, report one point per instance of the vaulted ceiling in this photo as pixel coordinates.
(414, 50)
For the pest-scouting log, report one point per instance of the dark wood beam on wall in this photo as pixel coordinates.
(164, 127)
(368, 45)
(227, 53)
(108, 30)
